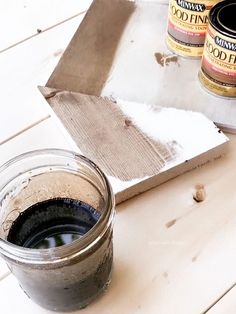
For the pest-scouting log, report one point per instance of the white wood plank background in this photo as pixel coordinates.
(23, 68)
(33, 139)
(226, 305)
(25, 18)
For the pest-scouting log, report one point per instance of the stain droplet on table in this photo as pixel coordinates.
(170, 223)
(199, 194)
(165, 274)
(154, 278)
(165, 59)
(58, 53)
(194, 258)
(159, 58)
(170, 59)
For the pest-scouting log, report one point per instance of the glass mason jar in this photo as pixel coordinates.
(69, 276)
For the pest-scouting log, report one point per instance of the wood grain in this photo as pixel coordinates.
(104, 134)
(134, 158)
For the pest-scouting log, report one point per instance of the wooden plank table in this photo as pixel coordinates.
(183, 252)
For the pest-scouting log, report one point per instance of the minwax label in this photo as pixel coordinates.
(218, 70)
(187, 25)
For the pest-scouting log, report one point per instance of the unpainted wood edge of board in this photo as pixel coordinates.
(61, 60)
(97, 45)
(189, 165)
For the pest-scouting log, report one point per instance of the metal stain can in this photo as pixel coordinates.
(218, 67)
(187, 25)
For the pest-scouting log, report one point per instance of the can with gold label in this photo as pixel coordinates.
(187, 25)
(218, 68)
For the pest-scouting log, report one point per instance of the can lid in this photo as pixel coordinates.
(222, 17)
(226, 17)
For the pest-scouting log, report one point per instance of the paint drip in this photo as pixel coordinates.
(187, 25)
(218, 68)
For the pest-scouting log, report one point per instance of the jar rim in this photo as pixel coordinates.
(215, 18)
(78, 247)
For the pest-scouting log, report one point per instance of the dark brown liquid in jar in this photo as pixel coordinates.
(51, 224)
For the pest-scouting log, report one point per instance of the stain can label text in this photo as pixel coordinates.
(187, 24)
(218, 69)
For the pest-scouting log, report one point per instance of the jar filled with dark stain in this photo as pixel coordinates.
(56, 222)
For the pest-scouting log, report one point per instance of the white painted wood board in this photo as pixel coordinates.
(136, 146)
(138, 72)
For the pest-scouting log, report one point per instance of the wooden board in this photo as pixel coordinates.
(139, 67)
(137, 147)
